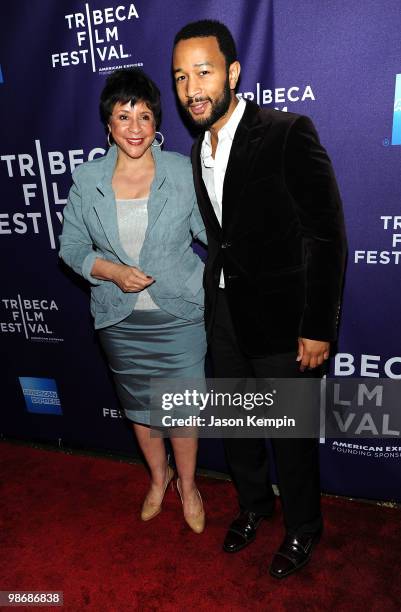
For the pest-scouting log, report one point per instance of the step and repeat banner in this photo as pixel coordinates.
(338, 62)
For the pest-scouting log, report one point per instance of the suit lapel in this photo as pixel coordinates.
(204, 202)
(246, 143)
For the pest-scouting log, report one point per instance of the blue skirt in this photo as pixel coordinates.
(148, 344)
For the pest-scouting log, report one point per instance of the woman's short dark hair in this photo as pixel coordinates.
(210, 27)
(129, 85)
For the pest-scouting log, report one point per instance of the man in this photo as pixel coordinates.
(276, 251)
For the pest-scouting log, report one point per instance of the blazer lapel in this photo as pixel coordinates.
(158, 190)
(204, 202)
(105, 205)
(246, 143)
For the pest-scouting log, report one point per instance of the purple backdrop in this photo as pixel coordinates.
(336, 62)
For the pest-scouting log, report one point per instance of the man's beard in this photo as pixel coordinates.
(219, 108)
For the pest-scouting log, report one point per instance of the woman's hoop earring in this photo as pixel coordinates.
(108, 140)
(158, 143)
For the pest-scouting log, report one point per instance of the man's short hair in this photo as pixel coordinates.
(210, 27)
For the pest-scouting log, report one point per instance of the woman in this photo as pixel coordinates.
(128, 228)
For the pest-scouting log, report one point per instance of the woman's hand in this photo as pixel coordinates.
(130, 279)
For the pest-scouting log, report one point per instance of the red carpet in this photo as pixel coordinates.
(70, 523)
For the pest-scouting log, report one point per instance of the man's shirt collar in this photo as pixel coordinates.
(226, 132)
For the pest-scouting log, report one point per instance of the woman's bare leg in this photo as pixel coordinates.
(185, 452)
(154, 451)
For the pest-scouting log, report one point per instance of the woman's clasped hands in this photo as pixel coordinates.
(130, 279)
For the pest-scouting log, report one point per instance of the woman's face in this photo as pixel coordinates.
(132, 128)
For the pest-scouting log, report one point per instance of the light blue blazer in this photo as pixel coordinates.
(90, 230)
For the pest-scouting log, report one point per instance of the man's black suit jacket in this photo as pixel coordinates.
(282, 240)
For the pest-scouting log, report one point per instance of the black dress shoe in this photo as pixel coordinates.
(242, 531)
(294, 553)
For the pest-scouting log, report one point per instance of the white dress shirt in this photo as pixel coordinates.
(214, 170)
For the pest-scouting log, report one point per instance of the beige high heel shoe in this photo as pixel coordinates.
(196, 523)
(150, 510)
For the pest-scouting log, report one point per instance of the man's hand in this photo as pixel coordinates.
(312, 353)
(130, 279)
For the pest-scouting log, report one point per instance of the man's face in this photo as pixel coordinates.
(205, 87)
